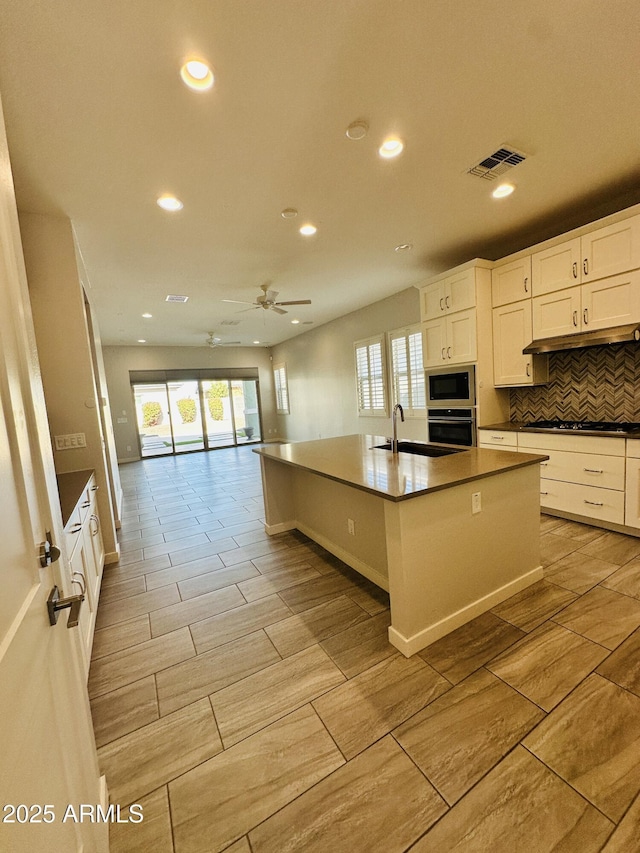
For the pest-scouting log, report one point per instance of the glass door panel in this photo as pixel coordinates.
(186, 418)
(153, 418)
(218, 416)
(246, 415)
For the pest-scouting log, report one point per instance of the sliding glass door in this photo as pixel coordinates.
(178, 416)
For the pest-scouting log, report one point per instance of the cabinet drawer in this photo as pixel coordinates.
(589, 501)
(498, 438)
(585, 468)
(546, 441)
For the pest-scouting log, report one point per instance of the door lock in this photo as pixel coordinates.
(48, 552)
(55, 604)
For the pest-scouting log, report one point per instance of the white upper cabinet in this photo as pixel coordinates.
(511, 282)
(511, 334)
(556, 268)
(455, 293)
(451, 339)
(611, 250)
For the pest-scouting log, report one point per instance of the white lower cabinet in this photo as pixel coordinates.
(589, 501)
(498, 439)
(632, 490)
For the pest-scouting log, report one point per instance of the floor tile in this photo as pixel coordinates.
(349, 810)
(194, 609)
(248, 552)
(548, 664)
(178, 545)
(579, 572)
(135, 662)
(534, 605)
(623, 666)
(602, 615)
(370, 705)
(142, 761)
(106, 641)
(258, 776)
(123, 710)
(519, 807)
(229, 626)
(256, 701)
(123, 572)
(317, 591)
(312, 626)
(613, 547)
(466, 649)
(216, 579)
(625, 838)
(583, 533)
(120, 611)
(150, 835)
(626, 579)
(592, 740)
(211, 671)
(554, 547)
(459, 737)
(279, 579)
(361, 646)
(178, 574)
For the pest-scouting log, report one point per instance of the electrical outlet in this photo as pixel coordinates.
(351, 527)
(476, 503)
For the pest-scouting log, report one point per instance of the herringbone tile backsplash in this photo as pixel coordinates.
(597, 384)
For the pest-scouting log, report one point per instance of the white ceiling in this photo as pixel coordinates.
(100, 124)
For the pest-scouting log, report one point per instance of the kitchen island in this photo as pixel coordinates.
(447, 537)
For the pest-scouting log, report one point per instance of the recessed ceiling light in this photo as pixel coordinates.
(404, 247)
(391, 148)
(141, 341)
(295, 322)
(170, 203)
(147, 316)
(308, 229)
(197, 75)
(289, 213)
(503, 191)
(256, 342)
(357, 130)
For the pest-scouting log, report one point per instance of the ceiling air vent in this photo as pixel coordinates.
(496, 164)
(229, 322)
(173, 298)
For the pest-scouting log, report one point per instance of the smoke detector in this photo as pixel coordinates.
(497, 163)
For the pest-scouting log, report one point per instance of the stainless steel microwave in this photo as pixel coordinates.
(451, 387)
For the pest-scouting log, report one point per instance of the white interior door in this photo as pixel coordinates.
(48, 758)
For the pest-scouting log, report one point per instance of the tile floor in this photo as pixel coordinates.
(244, 691)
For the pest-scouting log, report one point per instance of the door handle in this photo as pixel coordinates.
(55, 604)
(48, 552)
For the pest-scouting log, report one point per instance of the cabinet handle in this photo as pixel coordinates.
(528, 369)
(497, 438)
(82, 583)
(526, 284)
(575, 269)
(441, 303)
(86, 504)
(585, 266)
(446, 302)
(97, 521)
(448, 352)
(76, 528)
(593, 470)
(543, 464)
(94, 488)
(443, 355)
(544, 493)
(585, 316)
(575, 319)
(594, 503)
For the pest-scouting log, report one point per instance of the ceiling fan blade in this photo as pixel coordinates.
(295, 302)
(238, 301)
(270, 295)
(278, 310)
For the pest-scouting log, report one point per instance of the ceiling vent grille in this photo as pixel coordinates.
(496, 164)
(229, 322)
(174, 298)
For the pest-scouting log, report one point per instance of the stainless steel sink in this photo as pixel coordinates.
(421, 449)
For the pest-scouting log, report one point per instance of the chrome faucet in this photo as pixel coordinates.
(394, 441)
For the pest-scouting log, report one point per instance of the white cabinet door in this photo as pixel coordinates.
(512, 331)
(611, 301)
(432, 300)
(462, 345)
(455, 293)
(511, 282)
(557, 313)
(556, 268)
(434, 340)
(611, 250)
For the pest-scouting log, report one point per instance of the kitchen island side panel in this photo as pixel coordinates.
(447, 565)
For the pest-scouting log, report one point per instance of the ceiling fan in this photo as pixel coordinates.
(267, 300)
(213, 342)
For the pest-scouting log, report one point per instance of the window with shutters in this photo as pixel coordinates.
(282, 390)
(407, 371)
(370, 376)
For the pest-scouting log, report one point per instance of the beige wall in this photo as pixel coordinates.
(321, 373)
(118, 361)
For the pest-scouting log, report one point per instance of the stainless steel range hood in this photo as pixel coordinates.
(582, 340)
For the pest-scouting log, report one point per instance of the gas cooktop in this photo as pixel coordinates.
(586, 426)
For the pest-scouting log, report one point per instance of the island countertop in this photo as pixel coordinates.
(356, 461)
